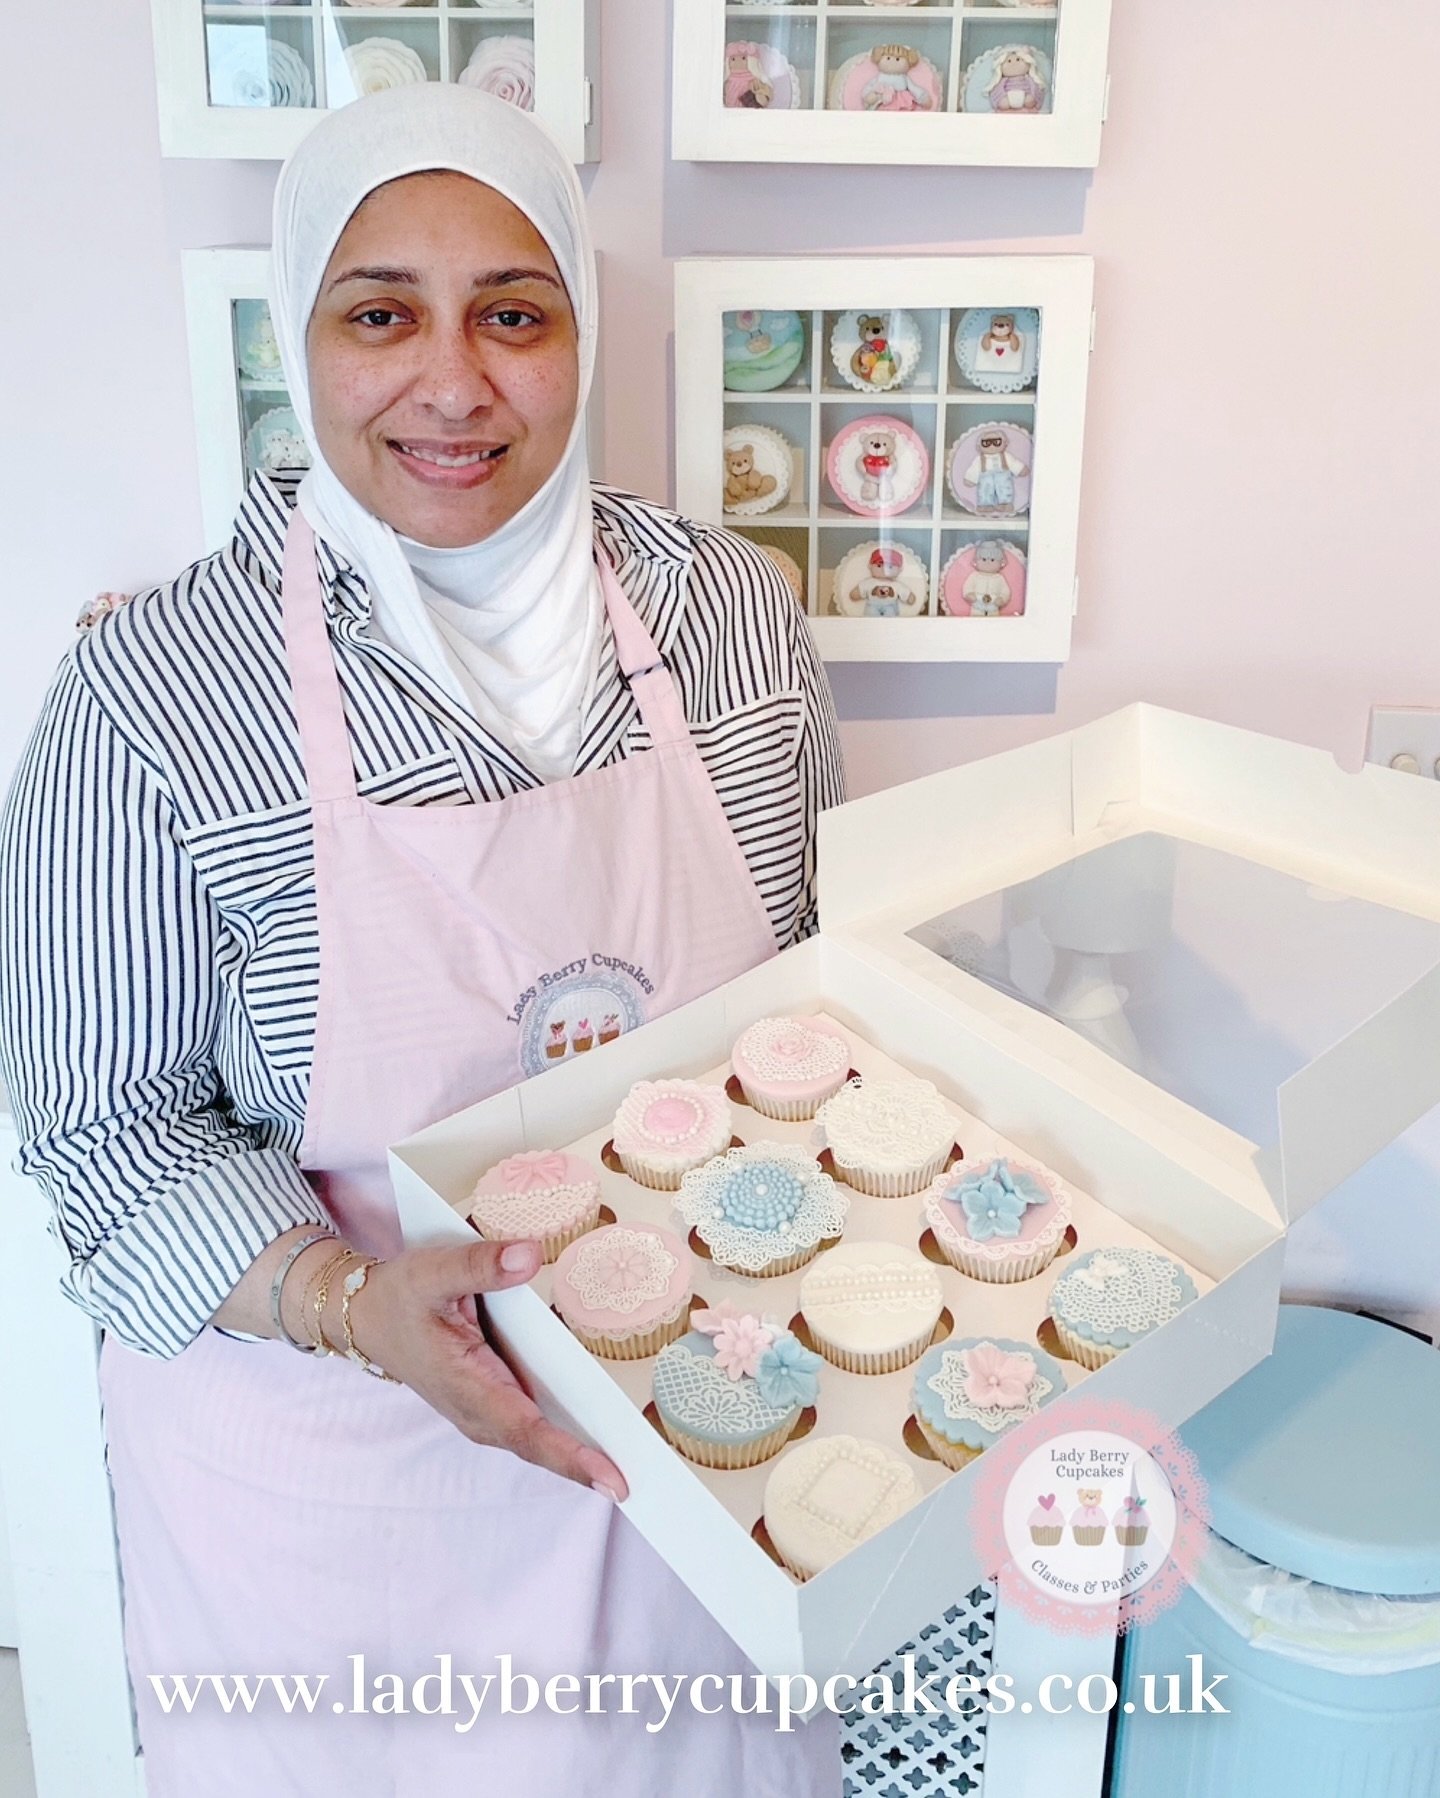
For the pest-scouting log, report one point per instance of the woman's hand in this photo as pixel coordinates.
(416, 1316)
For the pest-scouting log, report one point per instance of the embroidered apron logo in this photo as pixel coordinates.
(574, 1008)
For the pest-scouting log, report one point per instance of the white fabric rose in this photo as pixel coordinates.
(505, 67)
(380, 62)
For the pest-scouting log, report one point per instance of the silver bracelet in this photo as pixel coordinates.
(305, 1242)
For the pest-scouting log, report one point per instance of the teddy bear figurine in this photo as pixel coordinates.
(876, 467)
(743, 481)
(874, 360)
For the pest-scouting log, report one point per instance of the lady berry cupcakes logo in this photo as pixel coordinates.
(1094, 1528)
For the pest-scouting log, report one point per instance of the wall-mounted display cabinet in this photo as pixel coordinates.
(237, 78)
(931, 81)
(243, 418)
(901, 434)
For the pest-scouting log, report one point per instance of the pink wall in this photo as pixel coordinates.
(1259, 527)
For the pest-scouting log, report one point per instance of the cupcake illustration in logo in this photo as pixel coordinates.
(609, 1027)
(1088, 1520)
(583, 1038)
(1046, 1523)
(1131, 1524)
(555, 1043)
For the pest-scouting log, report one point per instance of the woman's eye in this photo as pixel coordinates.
(512, 318)
(375, 315)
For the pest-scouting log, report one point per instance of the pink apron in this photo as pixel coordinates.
(282, 1514)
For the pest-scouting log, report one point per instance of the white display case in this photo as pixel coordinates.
(938, 566)
(242, 410)
(828, 81)
(249, 80)
(1356, 1059)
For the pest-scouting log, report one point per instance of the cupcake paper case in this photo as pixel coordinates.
(998, 1219)
(730, 1392)
(788, 1067)
(1110, 1298)
(664, 1128)
(624, 1290)
(763, 1209)
(968, 1393)
(887, 1138)
(1047, 1522)
(828, 1495)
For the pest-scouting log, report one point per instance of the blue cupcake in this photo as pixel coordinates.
(763, 1209)
(730, 1393)
(1107, 1300)
(969, 1391)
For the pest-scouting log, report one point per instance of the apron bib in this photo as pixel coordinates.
(279, 1513)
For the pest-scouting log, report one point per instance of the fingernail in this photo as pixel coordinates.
(516, 1257)
(611, 1492)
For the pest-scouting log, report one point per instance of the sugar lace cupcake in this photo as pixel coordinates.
(829, 1494)
(624, 1290)
(999, 1220)
(666, 1127)
(762, 1210)
(540, 1195)
(730, 1393)
(1110, 1298)
(788, 1067)
(968, 1393)
(871, 1307)
(887, 1137)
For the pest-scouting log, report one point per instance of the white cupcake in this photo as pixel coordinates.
(887, 1138)
(871, 1307)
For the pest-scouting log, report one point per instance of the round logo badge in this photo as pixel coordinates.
(1098, 1526)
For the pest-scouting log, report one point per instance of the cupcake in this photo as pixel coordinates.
(826, 1496)
(584, 1037)
(887, 1137)
(1110, 1298)
(1047, 1525)
(730, 1392)
(968, 1393)
(666, 1127)
(624, 1290)
(999, 1220)
(871, 1307)
(541, 1196)
(1131, 1524)
(762, 1210)
(788, 1067)
(1088, 1521)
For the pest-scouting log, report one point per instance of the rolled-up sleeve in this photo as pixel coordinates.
(109, 1008)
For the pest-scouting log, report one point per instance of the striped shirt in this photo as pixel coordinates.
(158, 942)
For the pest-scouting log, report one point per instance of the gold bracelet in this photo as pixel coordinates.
(322, 1297)
(349, 1286)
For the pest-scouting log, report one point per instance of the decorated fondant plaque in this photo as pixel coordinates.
(997, 347)
(758, 468)
(873, 351)
(879, 466)
(989, 472)
(880, 580)
(984, 580)
(888, 78)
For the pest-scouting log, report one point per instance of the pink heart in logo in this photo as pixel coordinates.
(1048, 1500)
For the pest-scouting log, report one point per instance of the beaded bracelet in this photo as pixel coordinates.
(349, 1286)
(277, 1285)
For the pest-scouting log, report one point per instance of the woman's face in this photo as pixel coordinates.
(443, 359)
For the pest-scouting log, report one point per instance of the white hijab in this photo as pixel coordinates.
(510, 626)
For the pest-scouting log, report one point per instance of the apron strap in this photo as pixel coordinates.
(641, 664)
(319, 708)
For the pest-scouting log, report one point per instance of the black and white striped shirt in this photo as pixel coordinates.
(158, 960)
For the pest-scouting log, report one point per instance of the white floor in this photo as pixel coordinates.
(16, 1779)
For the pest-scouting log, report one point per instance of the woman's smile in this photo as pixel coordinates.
(446, 465)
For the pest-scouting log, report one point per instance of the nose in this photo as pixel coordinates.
(454, 376)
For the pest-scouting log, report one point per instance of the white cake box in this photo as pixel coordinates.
(1143, 1165)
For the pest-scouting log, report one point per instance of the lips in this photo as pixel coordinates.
(450, 465)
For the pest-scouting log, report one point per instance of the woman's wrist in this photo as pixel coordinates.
(301, 1289)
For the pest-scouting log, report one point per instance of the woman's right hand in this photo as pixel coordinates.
(416, 1315)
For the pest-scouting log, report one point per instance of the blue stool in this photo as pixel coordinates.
(1324, 1461)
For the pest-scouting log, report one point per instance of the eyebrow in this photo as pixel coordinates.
(409, 277)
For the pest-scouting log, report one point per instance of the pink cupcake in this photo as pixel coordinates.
(539, 1196)
(789, 1067)
(624, 1290)
(998, 1219)
(664, 1128)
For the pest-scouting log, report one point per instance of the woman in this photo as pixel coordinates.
(293, 837)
